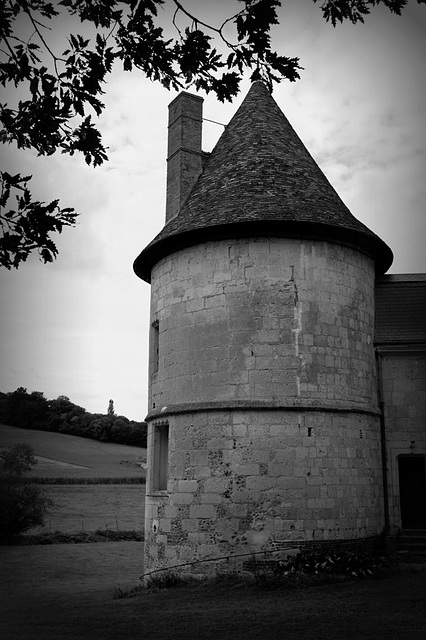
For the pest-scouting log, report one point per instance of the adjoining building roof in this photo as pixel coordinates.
(401, 309)
(261, 180)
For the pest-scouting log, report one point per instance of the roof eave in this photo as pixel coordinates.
(372, 245)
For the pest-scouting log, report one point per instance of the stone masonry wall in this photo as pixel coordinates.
(244, 481)
(404, 397)
(265, 376)
(272, 320)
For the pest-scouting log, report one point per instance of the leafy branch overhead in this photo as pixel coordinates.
(59, 92)
(28, 226)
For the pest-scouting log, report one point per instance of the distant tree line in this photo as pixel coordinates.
(33, 411)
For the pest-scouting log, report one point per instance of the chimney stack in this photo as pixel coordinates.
(184, 155)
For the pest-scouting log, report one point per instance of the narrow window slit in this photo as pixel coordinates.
(161, 457)
(155, 346)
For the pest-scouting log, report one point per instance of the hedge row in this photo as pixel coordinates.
(81, 537)
(126, 480)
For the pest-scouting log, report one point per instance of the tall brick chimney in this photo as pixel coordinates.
(184, 154)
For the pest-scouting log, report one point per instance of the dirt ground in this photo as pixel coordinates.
(61, 592)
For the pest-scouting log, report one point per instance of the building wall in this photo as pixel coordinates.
(262, 371)
(273, 320)
(404, 399)
(243, 481)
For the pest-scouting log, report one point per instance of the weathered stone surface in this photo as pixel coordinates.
(404, 401)
(262, 365)
(304, 334)
(308, 497)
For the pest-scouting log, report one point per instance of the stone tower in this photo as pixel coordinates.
(263, 423)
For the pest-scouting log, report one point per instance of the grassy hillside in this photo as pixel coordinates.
(61, 456)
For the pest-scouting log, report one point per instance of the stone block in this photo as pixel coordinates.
(247, 470)
(202, 472)
(239, 430)
(171, 511)
(182, 498)
(214, 301)
(192, 306)
(187, 486)
(198, 457)
(202, 511)
(165, 525)
(260, 483)
(280, 469)
(302, 452)
(215, 485)
(238, 510)
(189, 524)
(211, 498)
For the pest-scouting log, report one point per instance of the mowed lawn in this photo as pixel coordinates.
(65, 592)
(85, 507)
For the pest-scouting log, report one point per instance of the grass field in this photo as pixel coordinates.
(64, 592)
(85, 506)
(60, 455)
(98, 506)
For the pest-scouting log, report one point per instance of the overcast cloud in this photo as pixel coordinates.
(79, 327)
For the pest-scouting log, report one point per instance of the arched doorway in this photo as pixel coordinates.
(412, 491)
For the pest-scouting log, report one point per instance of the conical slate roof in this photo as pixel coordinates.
(261, 180)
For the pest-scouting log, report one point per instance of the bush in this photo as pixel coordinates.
(22, 505)
(168, 580)
(344, 562)
(17, 460)
(81, 537)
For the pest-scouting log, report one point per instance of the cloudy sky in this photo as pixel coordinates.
(79, 327)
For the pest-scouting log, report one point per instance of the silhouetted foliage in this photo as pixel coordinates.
(17, 460)
(110, 410)
(32, 411)
(22, 505)
(27, 410)
(58, 92)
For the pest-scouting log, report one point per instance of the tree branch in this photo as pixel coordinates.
(218, 30)
(36, 29)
